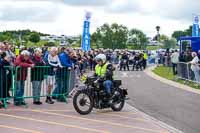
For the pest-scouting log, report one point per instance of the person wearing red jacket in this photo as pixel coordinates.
(22, 63)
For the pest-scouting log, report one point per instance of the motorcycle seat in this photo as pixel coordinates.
(117, 83)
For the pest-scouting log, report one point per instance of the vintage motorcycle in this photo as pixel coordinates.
(137, 65)
(94, 96)
(123, 64)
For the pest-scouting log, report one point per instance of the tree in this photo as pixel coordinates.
(138, 38)
(189, 31)
(70, 41)
(50, 44)
(19, 36)
(179, 33)
(34, 37)
(5, 36)
(163, 38)
(170, 43)
(111, 36)
(77, 43)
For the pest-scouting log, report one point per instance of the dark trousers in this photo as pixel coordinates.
(144, 63)
(174, 67)
(19, 93)
(5, 85)
(124, 66)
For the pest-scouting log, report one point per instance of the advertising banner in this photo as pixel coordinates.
(86, 33)
(195, 27)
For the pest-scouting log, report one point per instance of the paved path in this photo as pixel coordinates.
(61, 118)
(176, 107)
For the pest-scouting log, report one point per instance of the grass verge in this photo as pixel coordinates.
(166, 72)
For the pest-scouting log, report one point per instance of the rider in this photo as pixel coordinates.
(104, 70)
(136, 61)
(126, 58)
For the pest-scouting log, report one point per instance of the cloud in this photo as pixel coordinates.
(87, 2)
(179, 9)
(123, 6)
(29, 11)
(66, 16)
(170, 9)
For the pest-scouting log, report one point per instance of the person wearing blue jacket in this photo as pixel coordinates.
(65, 59)
(62, 76)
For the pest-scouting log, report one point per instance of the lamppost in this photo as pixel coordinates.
(158, 32)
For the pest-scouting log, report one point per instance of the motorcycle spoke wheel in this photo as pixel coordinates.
(118, 103)
(82, 103)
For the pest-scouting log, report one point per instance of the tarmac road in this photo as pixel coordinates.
(62, 118)
(166, 103)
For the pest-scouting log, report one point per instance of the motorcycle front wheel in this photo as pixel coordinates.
(83, 103)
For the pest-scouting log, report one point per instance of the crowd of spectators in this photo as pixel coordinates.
(59, 60)
(185, 63)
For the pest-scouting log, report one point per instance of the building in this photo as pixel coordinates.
(63, 39)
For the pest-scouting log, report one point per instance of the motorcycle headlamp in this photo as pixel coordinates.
(83, 78)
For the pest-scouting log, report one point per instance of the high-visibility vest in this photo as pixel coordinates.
(101, 70)
(145, 56)
(16, 51)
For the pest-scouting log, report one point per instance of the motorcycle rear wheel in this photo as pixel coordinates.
(120, 103)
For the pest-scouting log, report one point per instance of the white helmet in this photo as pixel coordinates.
(101, 57)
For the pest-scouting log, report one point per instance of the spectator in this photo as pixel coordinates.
(23, 61)
(199, 54)
(65, 58)
(74, 71)
(195, 66)
(145, 57)
(37, 75)
(61, 76)
(188, 56)
(6, 77)
(167, 58)
(174, 60)
(182, 57)
(80, 62)
(91, 60)
(54, 63)
(9, 52)
(2, 47)
(157, 58)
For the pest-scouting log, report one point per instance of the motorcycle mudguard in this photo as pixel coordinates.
(125, 92)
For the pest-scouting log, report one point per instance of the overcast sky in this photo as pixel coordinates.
(66, 16)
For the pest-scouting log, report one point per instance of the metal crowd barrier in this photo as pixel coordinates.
(185, 72)
(21, 83)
